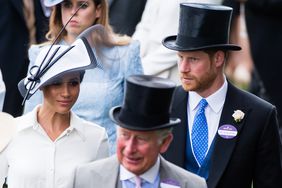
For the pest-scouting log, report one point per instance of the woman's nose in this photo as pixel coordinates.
(73, 10)
(65, 90)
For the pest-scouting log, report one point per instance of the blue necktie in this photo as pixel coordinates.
(200, 133)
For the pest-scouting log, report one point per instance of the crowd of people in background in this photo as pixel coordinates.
(183, 93)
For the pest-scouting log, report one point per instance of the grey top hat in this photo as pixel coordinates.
(146, 105)
(201, 27)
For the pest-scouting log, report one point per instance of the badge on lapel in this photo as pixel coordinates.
(169, 183)
(228, 131)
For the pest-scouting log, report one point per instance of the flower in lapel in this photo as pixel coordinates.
(238, 115)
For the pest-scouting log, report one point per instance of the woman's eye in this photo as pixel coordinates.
(74, 83)
(66, 4)
(83, 5)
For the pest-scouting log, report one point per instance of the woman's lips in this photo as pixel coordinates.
(64, 103)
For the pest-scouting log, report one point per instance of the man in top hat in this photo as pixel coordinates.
(143, 132)
(228, 136)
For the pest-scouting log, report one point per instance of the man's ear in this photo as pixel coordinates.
(165, 143)
(219, 58)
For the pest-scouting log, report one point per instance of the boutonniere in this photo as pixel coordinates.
(238, 115)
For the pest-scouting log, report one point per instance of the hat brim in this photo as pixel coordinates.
(49, 3)
(170, 43)
(79, 57)
(114, 115)
(7, 129)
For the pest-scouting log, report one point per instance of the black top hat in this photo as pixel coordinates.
(202, 26)
(146, 105)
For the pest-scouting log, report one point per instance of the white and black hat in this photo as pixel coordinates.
(50, 3)
(56, 61)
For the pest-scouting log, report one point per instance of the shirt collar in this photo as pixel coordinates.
(75, 123)
(149, 176)
(215, 101)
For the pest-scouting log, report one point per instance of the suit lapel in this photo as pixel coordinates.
(164, 174)
(111, 173)
(167, 175)
(224, 147)
(178, 145)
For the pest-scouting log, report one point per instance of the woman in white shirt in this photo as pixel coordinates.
(51, 140)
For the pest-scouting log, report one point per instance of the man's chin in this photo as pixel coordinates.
(187, 87)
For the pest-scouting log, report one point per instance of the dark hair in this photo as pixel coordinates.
(81, 75)
(211, 52)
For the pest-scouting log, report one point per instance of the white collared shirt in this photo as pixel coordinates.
(33, 160)
(213, 110)
(149, 176)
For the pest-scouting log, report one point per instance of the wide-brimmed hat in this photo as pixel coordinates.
(56, 61)
(201, 27)
(146, 104)
(7, 129)
(50, 3)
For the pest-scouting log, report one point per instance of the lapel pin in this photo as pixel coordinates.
(169, 183)
(227, 131)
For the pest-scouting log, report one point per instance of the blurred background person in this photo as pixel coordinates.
(124, 15)
(264, 27)
(118, 55)
(22, 22)
(7, 131)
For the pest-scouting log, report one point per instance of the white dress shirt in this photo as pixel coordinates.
(33, 160)
(149, 176)
(213, 110)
